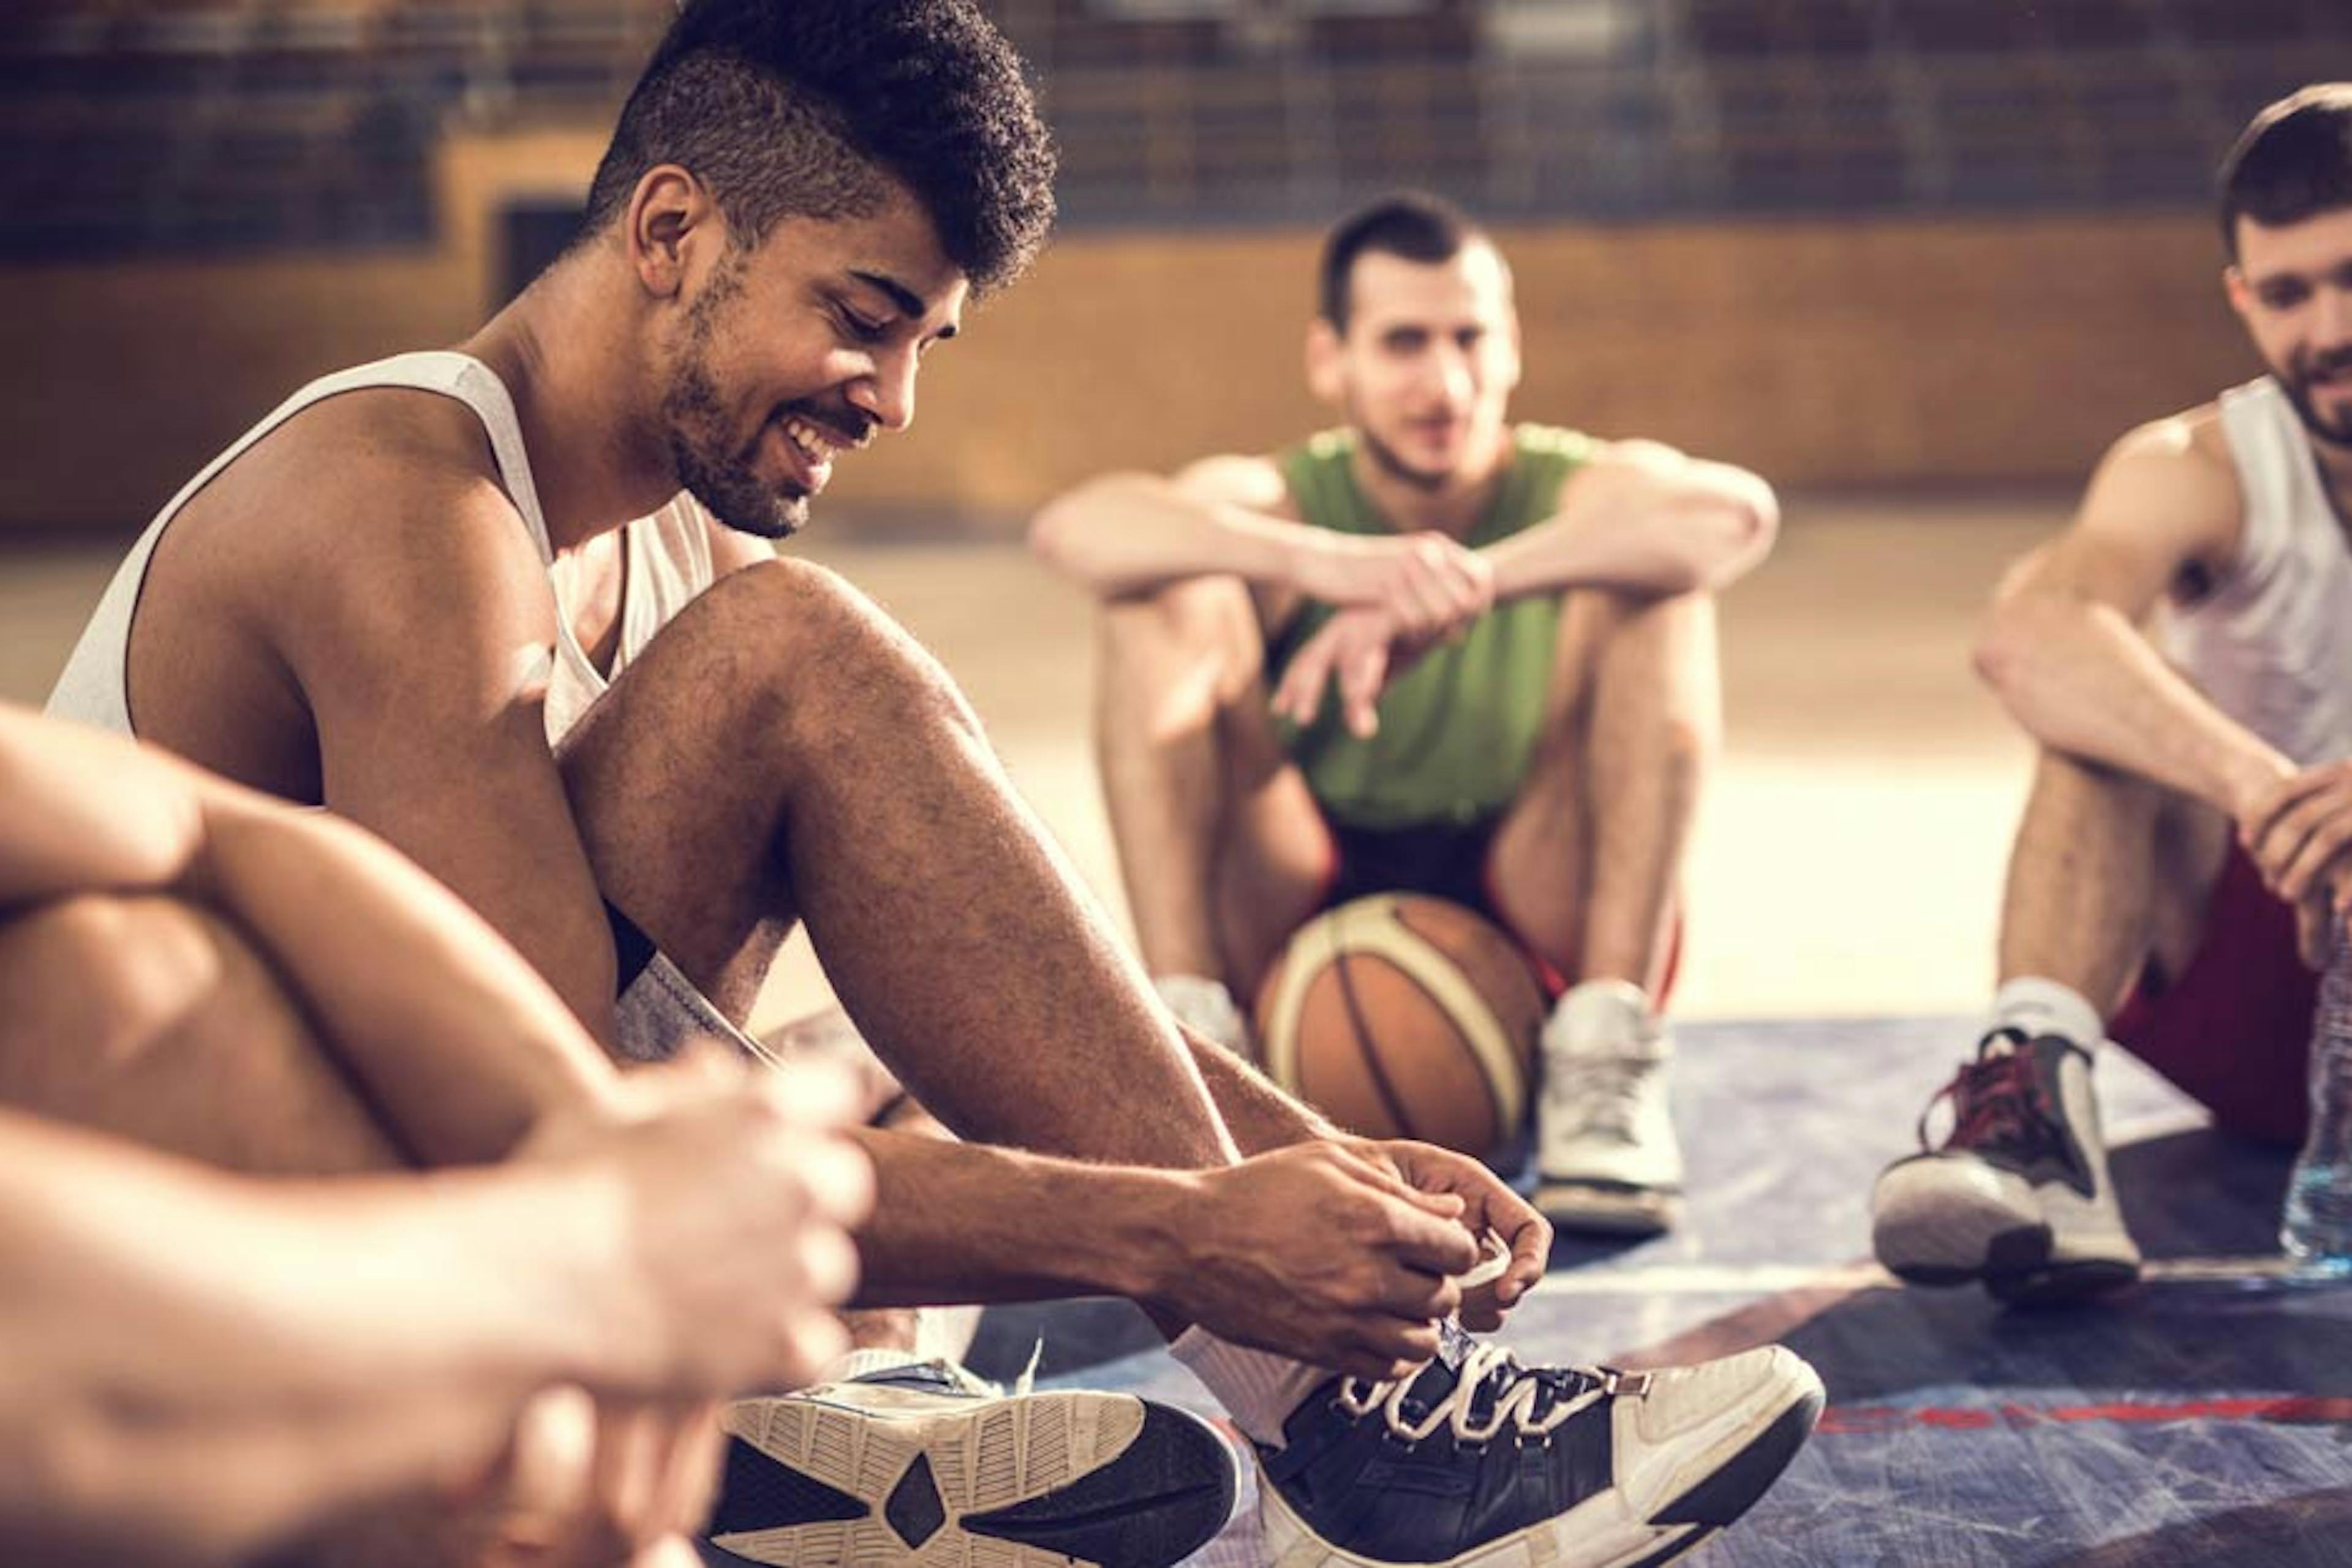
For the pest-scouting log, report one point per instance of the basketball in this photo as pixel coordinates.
(1404, 1016)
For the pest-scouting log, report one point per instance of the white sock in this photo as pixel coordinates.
(1206, 1005)
(1614, 1014)
(2034, 1006)
(1258, 1389)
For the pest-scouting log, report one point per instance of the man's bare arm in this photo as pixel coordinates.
(201, 1362)
(2067, 646)
(423, 635)
(411, 991)
(1642, 518)
(1130, 534)
(1126, 533)
(1316, 1250)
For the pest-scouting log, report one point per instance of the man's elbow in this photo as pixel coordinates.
(1754, 529)
(1061, 532)
(1739, 532)
(1051, 528)
(2005, 656)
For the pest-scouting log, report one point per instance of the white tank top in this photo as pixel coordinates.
(666, 556)
(2272, 643)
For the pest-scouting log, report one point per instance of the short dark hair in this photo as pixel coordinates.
(805, 108)
(1409, 223)
(2293, 161)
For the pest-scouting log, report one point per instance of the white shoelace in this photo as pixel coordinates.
(1516, 1405)
(967, 1381)
(1598, 1094)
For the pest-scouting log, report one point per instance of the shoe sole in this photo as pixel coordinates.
(1945, 1222)
(1607, 1209)
(1064, 1478)
(2062, 1283)
(1678, 1527)
(1940, 1237)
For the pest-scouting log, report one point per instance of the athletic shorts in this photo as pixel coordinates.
(2232, 1029)
(657, 1009)
(1444, 860)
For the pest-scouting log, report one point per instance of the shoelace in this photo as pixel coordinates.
(1597, 1093)
(1999, 1104)
(1534, 1400)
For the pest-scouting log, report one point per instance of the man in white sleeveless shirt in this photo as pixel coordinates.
(2183, 654)
(455, 597)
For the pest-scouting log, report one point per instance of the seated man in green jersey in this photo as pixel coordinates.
(1515, 627)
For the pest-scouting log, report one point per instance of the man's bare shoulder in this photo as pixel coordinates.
(364, 537)
(2171, 478)
(366, 493)
(1237, 479)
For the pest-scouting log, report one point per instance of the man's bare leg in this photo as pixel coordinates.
(1586, 865)
(782, 751)
(1586, 869)
(877, 1335)
(2108, 872)
(152, 1019)
(1222, 849)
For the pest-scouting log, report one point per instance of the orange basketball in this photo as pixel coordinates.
(1404, 1016)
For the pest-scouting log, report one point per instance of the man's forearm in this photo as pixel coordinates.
(1131, 533)
(360, 1339)
(1259, 1115)
(2083, 679)
(968, 1222)
(1674, 547)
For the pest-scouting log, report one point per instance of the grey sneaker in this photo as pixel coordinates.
(2017, 1194)
(927, 1464)
(1606, 1155)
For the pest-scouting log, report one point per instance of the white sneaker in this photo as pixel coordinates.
(1206, 1007)
(927, 1464)
(2017, 1194)
(1606, 1156)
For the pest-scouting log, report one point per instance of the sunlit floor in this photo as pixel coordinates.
(1850, 855)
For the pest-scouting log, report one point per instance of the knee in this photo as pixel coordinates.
(824, 654)
(123, 972)
(1193, 625)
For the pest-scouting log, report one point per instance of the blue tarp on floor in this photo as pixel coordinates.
(2205, 1416)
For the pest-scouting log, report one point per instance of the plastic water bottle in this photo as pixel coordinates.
(2317, 1230)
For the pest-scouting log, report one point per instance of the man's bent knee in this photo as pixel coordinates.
(1191, 611)
(154, 1019)
(812, 643)
(112, 974)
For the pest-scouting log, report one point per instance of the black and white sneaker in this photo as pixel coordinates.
(927, 1464)
(1477, 1459)
(2017, 1194)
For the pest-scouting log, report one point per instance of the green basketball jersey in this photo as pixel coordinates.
(1458, 728)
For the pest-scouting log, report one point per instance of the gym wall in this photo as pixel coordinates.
(1829, 354)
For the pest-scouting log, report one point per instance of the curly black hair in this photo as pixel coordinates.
(809, 108)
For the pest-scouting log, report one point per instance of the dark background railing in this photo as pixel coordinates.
(174, 127)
